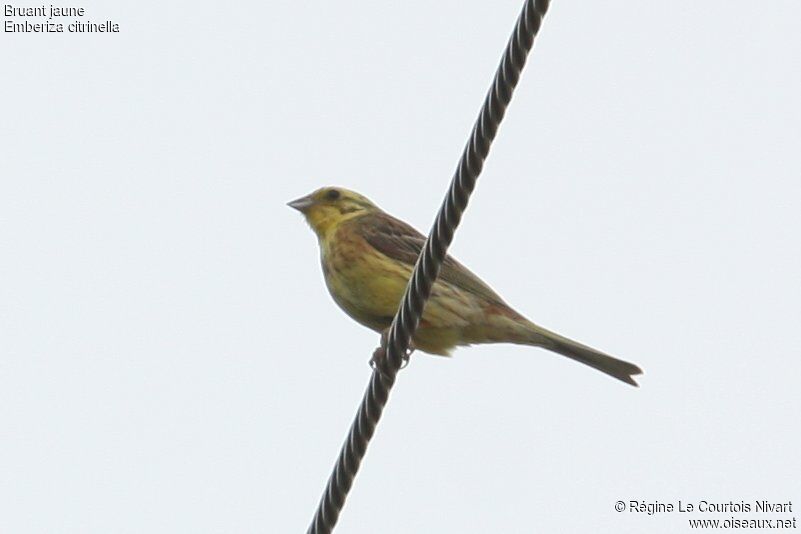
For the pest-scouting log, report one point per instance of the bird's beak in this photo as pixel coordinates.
(302, 204)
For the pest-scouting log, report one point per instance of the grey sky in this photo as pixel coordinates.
(170, 360)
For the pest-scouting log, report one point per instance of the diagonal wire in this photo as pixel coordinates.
(427, 267)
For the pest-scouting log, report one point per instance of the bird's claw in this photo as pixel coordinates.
(379, 358)
(407, 355)
(405, 360)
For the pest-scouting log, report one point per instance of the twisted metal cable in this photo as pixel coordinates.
(428, 265)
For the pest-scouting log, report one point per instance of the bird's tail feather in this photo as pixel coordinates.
(552, 341)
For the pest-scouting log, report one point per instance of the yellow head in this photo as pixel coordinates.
(327, 207)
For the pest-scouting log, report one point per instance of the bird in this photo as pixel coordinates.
(367, 257)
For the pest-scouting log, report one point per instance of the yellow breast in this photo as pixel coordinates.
(366, 284)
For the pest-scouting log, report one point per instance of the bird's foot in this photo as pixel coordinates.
(379, 358)
(405, 357)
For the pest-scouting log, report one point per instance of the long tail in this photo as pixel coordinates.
(538, 336)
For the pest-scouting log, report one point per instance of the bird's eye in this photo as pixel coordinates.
(332, 194)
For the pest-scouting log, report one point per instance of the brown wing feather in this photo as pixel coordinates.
(399, 241)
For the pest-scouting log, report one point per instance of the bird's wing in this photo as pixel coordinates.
(399, 241)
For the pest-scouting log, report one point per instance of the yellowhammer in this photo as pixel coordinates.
(368, 257)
